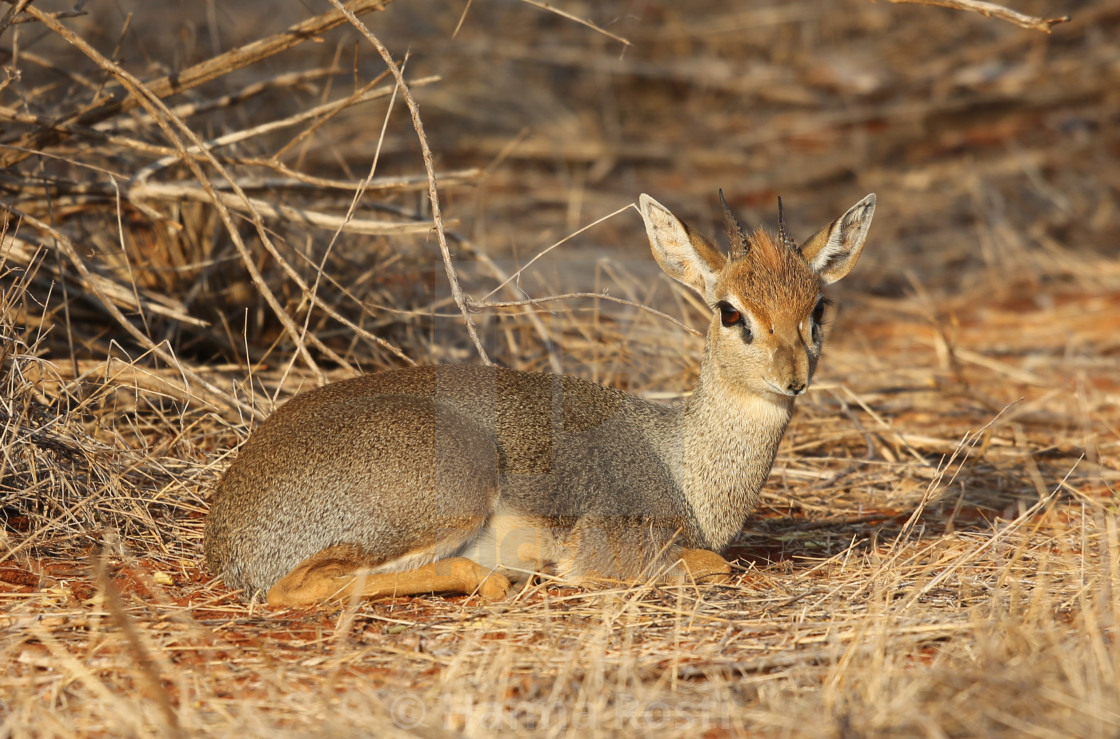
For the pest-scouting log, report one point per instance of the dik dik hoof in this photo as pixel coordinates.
(494, 587)
(706, 567)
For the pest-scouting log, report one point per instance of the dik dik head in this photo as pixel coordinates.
(765, 294)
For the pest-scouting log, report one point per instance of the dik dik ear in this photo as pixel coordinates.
(687, 257)
(835, 249)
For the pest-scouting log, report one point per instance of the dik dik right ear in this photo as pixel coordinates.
(684, 255)
(835, 249)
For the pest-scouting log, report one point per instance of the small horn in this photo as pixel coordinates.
(783, 232)
(740, 245)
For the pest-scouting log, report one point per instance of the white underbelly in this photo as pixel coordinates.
(514, 546)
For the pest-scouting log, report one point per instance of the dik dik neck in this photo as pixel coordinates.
(729, 438)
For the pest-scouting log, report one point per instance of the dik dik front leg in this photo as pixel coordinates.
(337, 574)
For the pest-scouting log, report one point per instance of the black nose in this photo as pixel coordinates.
(796, 388)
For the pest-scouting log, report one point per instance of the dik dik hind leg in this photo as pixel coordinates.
(703, 566)
(595, 556)
(335, 574)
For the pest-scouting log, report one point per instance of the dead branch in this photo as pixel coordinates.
(200, 73)
(163, 116)
(73, 254)
(177, 192)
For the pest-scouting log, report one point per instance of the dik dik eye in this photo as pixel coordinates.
(729, 315)
(818, 312)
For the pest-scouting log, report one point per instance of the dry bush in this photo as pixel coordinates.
(937, 552)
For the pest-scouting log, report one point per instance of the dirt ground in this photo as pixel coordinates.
(196, 226)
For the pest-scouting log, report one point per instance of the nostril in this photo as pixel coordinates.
(796, 388)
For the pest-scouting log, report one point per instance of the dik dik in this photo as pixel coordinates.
(461, 479)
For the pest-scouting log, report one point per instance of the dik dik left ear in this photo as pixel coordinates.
(835, 249)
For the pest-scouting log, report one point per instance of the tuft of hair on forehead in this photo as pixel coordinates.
(763, 250)
(772, 280)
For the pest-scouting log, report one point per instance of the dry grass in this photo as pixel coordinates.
(938, 551)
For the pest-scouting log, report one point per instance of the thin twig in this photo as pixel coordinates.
(597, 296)
(177, 192)
(517, 275)
(294, 179)
(535, 321)
(246, 93)
(991, 10)
(967, 443)
(10, 16)
(577, 19)
(429, 167)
